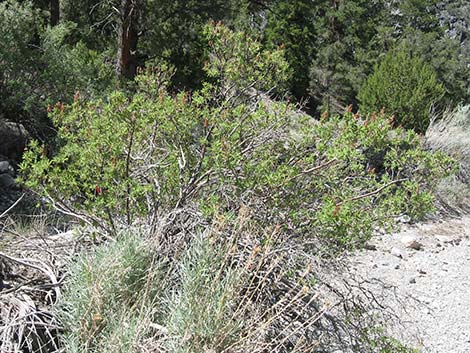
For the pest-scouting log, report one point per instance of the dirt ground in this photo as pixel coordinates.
(423, 272)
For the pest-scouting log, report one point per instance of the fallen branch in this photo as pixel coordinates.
(12, 206)
(47, 271)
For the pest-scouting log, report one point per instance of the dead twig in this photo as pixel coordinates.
(12, 206)
(372, 193)
(45, 269)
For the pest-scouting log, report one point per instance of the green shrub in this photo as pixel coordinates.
(72, 67)
(39, 65)
(383, 343)
(20, 23)
(238, 62)
(135, 157)
(405, 87)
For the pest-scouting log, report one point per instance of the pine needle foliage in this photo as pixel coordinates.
(405, 87)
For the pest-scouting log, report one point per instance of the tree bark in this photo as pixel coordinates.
(55, 12)
(127, 40)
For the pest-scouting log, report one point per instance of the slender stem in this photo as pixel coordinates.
(372, 193)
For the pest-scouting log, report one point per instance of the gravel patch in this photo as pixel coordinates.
(423, 274)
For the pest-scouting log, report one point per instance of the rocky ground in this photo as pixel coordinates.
(423, 274)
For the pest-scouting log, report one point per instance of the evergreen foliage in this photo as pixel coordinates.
(40, 67)
(291, 24)
(347, 31)
(403, 86)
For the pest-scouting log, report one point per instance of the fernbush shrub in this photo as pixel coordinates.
(130, 158)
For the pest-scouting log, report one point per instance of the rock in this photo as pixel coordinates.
(411, 242)
(404, 219)
(7, 181)
(444, 239)
(396, 252)
(422, 272)
(425, 300)
(457, 241)
(5, 167)
(14, 138)
(415, 245)
(412, 280)
(369, 246)
(405, 238)
(397, 267)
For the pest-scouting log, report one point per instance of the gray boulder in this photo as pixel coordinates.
(6, 168)
(7, 181)
(13, 139)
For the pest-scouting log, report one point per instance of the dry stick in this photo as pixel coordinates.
(194, 184)
(270, 320)
(14, 289)
(48, 273)
(12, 206)
(62, 208)
(309, 322)
(249, 297)
(314, 169)
(257, 289)
(182, 166)
(110, 218)
(372, 193)
(30, 242)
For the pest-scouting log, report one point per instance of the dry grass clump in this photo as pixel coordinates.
(108, 297)
(452, 135)
(230, 286)
(25, 327)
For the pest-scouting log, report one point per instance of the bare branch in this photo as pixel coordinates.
(12, 206)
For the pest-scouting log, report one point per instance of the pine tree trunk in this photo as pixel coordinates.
(127, 40)
(55, 12)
